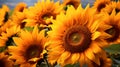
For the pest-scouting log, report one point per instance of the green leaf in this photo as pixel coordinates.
(29, 28)
(73, 65)
(2, 49)
(11, 12)
(69, 65)
(113, 49)
(42, 65)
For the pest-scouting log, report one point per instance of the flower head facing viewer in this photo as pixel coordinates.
(42, 12)
(73, 37)
(18, 15)
(29, 49)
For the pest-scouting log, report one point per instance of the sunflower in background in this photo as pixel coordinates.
(5, 26)
(29, 49)
(74, 3)
(5, 22)
(111, 26)
(100, 4)
(4, 14)
(73, 37)
(18, 15)
(6, 37)
(20, 7)
(110, 7)
(5, 61)
(42, 12)
(104, 61)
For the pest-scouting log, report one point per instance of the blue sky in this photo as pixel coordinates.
(12, 3)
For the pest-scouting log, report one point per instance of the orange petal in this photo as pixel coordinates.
(91, 56)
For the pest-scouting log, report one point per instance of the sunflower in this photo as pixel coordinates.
(75, 3)
(20, 7)
(73, 37)
(6, 37)
(5, 61)
(18, 15)
(100, 4)
(18, 19)
(4, 15)
(29, 49)
(111, 26)
(5, 26)
(42, 12)
(110, 7)
(104, 61)
(5, 22)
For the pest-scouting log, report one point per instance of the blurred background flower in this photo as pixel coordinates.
(12, 3)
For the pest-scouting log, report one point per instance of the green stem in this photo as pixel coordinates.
(47, 62)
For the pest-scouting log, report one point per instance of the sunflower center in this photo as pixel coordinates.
(46, 16)
(117, 10)
(21, 9)
(114, 32)
(77, 39)
(2, 63)
(33, 51)
(74, 4)
(70, 3)
(101, 6)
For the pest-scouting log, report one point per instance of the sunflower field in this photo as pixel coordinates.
(60, 34)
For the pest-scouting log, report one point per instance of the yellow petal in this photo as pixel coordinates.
(90, 55)
(95, 35)
(75, 57)
(95, 48)
(63, 57)
(94, 26)
(82, 59)
(35, 32)
(18, 41)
